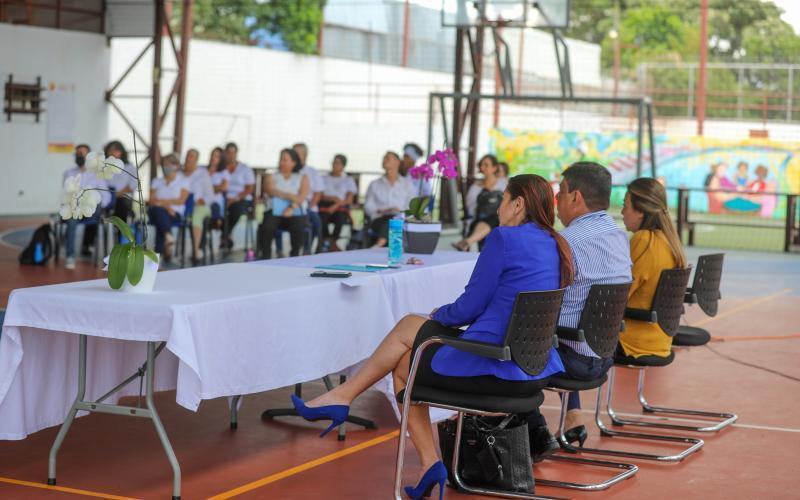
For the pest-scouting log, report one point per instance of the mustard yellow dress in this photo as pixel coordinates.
(650, 254)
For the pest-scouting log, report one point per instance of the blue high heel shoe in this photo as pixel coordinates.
(336, 413)
(436, 474)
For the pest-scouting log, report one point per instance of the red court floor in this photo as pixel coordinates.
(759, 457)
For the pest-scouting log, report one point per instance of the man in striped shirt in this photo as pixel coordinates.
(601, 254)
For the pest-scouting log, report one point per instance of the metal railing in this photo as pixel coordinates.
(729, 219)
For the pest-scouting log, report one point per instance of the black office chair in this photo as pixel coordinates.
(666, 311)
(528, 339)
(705, 293)
(599, 327)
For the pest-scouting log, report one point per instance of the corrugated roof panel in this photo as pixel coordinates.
(130, 18)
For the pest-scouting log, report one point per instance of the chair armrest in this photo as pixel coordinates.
(567, 333)
(641, 315)
(485, 349)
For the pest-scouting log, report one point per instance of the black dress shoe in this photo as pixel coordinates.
(543, 443)
(577, 433)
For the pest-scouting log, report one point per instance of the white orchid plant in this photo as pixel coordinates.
(126, 260)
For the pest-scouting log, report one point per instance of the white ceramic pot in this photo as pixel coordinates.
(148, 281)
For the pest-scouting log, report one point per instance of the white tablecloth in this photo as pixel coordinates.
(230, 329)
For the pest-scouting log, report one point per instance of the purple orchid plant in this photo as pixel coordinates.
(442, 163)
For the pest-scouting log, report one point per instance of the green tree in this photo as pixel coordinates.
(297, 22)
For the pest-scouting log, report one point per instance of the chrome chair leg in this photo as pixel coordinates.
(401, 445)
(628, 470)
(694, 443)
(727, 418)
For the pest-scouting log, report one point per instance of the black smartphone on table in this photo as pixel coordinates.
(331, 274)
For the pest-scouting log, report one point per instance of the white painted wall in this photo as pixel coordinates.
(265, 100)
(31, 177)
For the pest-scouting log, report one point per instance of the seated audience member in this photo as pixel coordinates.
(340, 189)
(411, 155)
(168, 196)
(288, 190)
(88, 180)
(601, 255)
(483, 198)
(203, 190)
(387, 196)
(504, 169)
(219, 180)
(655, 246)
(523, 254)
(315, 189)
(239, 196)
(123, 183)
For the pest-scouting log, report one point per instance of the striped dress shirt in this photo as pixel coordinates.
(601, 253)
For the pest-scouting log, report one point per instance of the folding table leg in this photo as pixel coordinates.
(162, 434)
(62, 432)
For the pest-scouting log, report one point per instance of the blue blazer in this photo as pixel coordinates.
(514, 259)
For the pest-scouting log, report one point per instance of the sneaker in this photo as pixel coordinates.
(69, 263)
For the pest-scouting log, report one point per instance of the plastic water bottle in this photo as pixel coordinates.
(38, 255)
(395, 241)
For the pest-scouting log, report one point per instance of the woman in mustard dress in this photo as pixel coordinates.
(655, 246)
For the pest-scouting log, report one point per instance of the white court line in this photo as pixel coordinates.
(743, 426)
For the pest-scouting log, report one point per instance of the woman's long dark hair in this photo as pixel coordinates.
(221, 165)
(294, 157)
(119, 147)
(540, 209)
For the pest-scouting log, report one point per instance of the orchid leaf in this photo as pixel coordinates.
(135, 265)
(151, 255)
(118, 265)
(417, 206)
(123, 228)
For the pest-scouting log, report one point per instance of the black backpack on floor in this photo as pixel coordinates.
(43, 240)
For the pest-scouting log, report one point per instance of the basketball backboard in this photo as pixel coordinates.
(510, 13)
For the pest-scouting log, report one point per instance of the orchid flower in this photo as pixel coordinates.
(78, 202)
(102, 167)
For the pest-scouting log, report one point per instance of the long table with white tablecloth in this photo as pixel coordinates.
(229, 329)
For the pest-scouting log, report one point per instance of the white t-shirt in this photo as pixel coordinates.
(170, 191)
(200, 186)
(290, 185)
(382, 195)
(89, 180)
(339, 186)
(218, 178)
(427, 186)
(121, 180)
(315, 183)
(241, 177)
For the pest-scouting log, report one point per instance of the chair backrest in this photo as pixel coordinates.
(602, 317)
(356, 176)
(532, 328)
(707, 277)
(668, 300)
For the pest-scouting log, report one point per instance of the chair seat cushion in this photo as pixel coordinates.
(569, 384)
(644, 360)
(482, 402)
(691, 336)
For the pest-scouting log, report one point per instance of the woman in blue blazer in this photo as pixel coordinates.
(524, 254)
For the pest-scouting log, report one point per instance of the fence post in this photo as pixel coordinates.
(791, 212)
(683, 216)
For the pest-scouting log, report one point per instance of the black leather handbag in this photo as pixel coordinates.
(495, 452)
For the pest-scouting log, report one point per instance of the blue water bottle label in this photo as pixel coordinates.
(395, 241)
(38, 255)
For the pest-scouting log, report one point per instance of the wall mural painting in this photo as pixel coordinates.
(745, 169)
